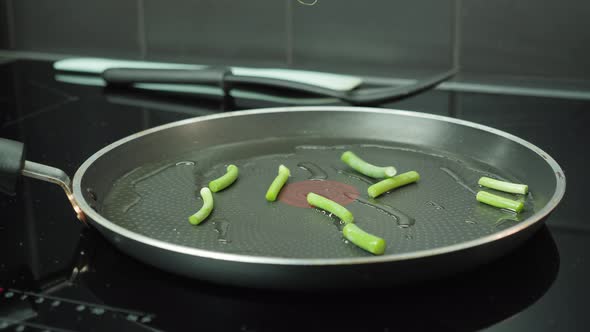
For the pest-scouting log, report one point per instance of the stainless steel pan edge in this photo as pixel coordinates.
(121, 236)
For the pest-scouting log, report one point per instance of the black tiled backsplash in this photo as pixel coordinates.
(390, 33)
(528, 38)
(106, 27)
(5, 16)
(434, 102)
(217, 30)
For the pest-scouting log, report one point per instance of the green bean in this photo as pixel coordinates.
(226, 180)
(205, 210)
(330, 206)
(392, 183)
(508, 187)
(365, 168)
(369, 242)
(499, 201)
(278, 183)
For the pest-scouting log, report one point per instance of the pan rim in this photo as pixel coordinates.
(270, 260)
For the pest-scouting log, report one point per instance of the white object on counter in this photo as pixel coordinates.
(325, 80)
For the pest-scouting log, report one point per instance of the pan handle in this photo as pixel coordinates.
(13, 164)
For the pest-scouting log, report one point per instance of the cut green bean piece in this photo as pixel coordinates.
(392, 183)
(226, 180)
(365, 168)
(499, 201)
(508, 187)
(369, 242)
(278, 183)
(330, 206)
(205, 210)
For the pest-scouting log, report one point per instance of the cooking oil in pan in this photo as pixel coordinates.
(159, 197)
(402, 220)
(335, 220)
(135, 182)
(435, 205)
(315, 171)
(185, 163)
(353, 175)
(222, 228)
(457, 179)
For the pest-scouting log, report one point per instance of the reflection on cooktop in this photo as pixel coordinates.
(465, 302)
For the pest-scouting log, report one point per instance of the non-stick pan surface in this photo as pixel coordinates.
(143, 189)
(156, 199)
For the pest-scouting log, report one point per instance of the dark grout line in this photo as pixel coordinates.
(456, 33)
(289, 32)
(142, 45)
(454, 97)
(141, 36)
(11, 28)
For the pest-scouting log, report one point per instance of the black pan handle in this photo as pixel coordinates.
(129, 76)
(12, 163)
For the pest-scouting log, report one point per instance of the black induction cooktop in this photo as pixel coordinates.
(58, 275)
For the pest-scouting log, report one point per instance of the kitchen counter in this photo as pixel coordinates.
(57, 273)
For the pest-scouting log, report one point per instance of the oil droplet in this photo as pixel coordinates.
(92, 194)
(39, 300)
(135, 182)
(55, 303)
(505, 223)
(510, 212)
(457, 179)
(23, 297)
(222, 228)
(185, 163)
(146, 319)
(471, 222)
(132, 317)
(345, 240)
(435, 205)
(8, 295)
(530, 196)
(402, 219)
(80, 308)
(335, 220)
(131, 204)
(130, 173)
(315, 172)
(353, 176)
(486, 174)
(322, 147)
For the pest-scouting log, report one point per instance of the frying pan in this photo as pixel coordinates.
(139, 191)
